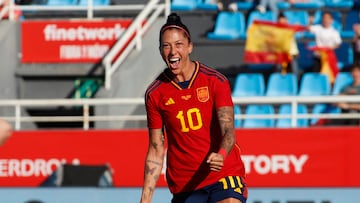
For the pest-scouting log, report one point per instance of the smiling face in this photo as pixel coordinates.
(175, 49)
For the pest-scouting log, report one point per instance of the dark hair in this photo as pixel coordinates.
(281, 15)
(174, 21)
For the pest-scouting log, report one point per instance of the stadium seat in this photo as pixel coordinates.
(283, 5)
(61, 2)
(282, 85)
(254, 109)
(237, 111)
(345, 55)
(305, 59)
(228, 26)
(184, 5)
(321, 109)
(314, 84)
(352, 17)
(297, 17)
(311, 4)
(339, 4)
(342, 79)
(285, 109)
(249, 84)
(208, 5)
(257, 15)
(95, 2)
(244, 5)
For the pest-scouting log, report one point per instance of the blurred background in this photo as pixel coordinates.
(74, 73)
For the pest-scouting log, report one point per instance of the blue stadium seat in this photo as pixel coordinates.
(320, 109)
(305, 59)
(95, 2)
(352, 17)
(228, 26)
(61, 2)
(312, 4)
(208, 5)
(314, 84)
(254, 109)
(283, 5)
(345, 55)
(249, 84)
(184, 5)
(282, 85)
(339, 4)
(237, 111)
(257, 15)
(342, 79)
(297, 17)
(244, 5)
(285, 109)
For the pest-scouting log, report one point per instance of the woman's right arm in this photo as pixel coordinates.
(153, 164)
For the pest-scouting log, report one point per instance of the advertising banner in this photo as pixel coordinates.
(311, 157)
(80, 41)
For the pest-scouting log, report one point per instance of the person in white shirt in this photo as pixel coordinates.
(325, 36)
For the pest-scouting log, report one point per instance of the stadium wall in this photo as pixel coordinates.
(312, 165)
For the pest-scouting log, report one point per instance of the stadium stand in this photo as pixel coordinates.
(256, 109)
(312, 4)
(257, 15)
(184, 5)
(282, 85)
(228, 26)
(285, 109)
(207, 5)
(342, 79)
(321, 109)
(237, 112)
(249, 84)
(314, 84)
(345, 55)
(339, 4)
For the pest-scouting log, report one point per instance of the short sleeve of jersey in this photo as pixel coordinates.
(222, 93)
(154, 118)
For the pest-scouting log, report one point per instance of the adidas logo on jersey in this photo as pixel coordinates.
(169, 102)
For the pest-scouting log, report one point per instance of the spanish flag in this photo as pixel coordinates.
(329, 62)
(270, 42)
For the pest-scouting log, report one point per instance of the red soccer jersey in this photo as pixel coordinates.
(192, 128)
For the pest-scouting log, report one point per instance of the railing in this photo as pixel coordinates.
(19, 106)
(9, 7)
(132, 37)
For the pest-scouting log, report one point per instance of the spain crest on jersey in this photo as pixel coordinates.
(203, 94)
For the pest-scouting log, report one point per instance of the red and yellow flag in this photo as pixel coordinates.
(329, 62)
(270, 42)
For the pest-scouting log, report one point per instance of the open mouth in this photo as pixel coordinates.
(174, 61)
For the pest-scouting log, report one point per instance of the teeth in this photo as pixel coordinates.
(173, 60)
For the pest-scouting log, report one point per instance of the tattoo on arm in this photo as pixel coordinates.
(226, 120)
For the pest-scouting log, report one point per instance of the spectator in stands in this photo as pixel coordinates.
(352, 89)
(5, 131)
(325, 36)
(192, 104)
(356, 44)
(294, 51)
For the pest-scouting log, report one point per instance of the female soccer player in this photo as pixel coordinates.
(190, 105)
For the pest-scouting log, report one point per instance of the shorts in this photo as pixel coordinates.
(230, 186)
